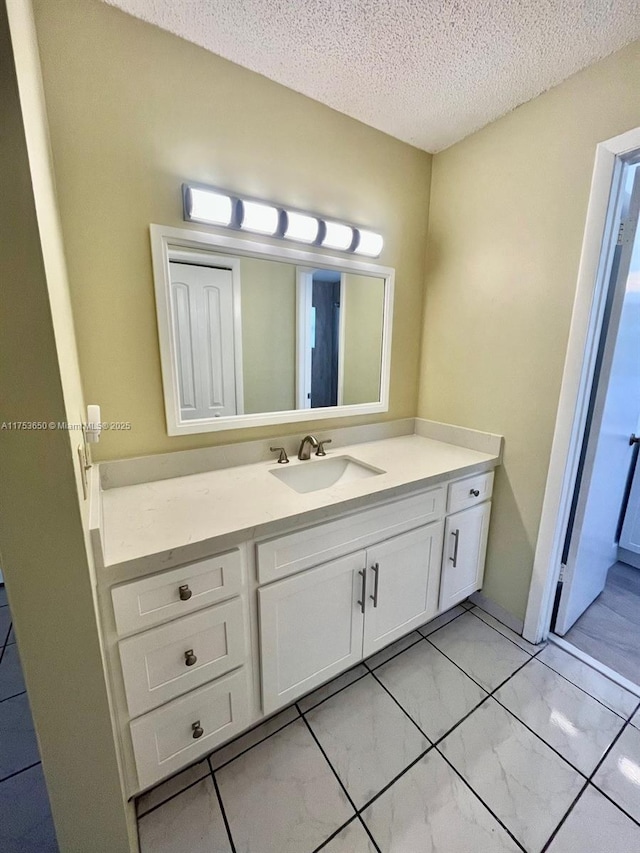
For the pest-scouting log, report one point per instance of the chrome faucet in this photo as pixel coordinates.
(306, 444)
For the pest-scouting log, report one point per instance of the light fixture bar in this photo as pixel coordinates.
(214, 206)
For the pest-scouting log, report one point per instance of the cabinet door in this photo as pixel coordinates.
(402, 585)
(465, 547)
(310, 628)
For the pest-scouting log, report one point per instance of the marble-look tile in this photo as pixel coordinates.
(619, 774)
(590, 680)
(12, 636)
(26, 824)
(253, 736)
(392, 650)
(11, 680)
(367, 738)
(519, 777)
(577, 726)
(352, 839)
(483, 653)
(431, 810)
(281, 796)
(5, 625)
(507, 632)
(432, 690)
(635, 720)
(18, 745)
(172, 786)
(3, 596)
(191, 821)
(441, 620)
(596, 826)
(467, 604)
(331, 687)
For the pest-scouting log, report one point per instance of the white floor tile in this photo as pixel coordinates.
(18, 746)
(25, 815)
(3, 596)
(441, 620)
(433, 691)
(522, 780)
(191, 821)
(254, 736)
(479, 650)
(394, 649)
(11, 680)
(589, 679)
(431, 810)
(5, 624)
(507, 632)
(352, 839)
(281, 796)
(619, 774)
(579, 727)
(635, 720)
(367, 738)
(172, 786)
(596, 826)
(322, 693)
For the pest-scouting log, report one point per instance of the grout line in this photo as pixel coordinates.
(440, 627)
(513, 642)
(475, 794)
(383, 790)
(326, 698)
(616, 804)
(404, 710)
(222, 809)
(13, 696)
(368, 831)
(334, 834)
(566, 815)
(173, 796)
(18, 772)
(595, 698)
(257, 743)
(402, 651)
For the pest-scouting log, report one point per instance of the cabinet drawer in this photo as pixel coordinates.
(164, 662)
(462, 493)
(163, 740)
(152, 600)
(286, 555)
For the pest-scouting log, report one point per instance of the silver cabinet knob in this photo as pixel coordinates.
(185, 592)
(197, 729)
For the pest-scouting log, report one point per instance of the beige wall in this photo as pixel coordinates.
(363, 308)
(507, 217)
(135, 111)
(268, 335)
(43, 530)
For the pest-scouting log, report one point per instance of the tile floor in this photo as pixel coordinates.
(609, 630)
(460, 738)
(25, 818)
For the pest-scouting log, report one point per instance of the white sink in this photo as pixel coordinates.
(313, 475)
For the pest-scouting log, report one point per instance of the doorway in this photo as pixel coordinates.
(586, 583)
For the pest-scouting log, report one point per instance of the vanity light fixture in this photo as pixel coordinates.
(302, 227)
(208, 206)
(258, 217)
(213, 206)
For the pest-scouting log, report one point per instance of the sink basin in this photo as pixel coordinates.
(319, 474)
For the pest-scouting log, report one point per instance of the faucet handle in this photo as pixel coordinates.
(283, 458)
(321, 451)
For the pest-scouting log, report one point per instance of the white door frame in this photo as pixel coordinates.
(577, 380)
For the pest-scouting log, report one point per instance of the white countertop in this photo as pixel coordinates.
(153, 518)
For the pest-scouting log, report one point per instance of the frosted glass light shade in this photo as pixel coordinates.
(262, 218)
(301, 226)
(209, 206)
(337, 236)
(369, 243)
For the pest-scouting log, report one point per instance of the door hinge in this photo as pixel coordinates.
(561, 575)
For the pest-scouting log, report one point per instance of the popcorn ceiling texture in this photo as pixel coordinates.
(428, 73)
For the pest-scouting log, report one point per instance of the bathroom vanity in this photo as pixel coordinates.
(234, 585)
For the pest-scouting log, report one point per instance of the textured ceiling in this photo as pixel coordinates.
(428, 72)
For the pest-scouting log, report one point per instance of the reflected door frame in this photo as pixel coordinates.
(304, 338)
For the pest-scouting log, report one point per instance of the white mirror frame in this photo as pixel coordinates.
(168, 243)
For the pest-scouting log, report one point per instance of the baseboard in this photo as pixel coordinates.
(498, 612)
(629, 557)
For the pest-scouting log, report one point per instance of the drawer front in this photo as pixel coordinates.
(286, 555)
(167, 595)
(165, 662)
(462, 493)
(163, 740)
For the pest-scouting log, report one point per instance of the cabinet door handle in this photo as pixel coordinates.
(474, 492)
(375, 568)
(456, 539)
(363, 593)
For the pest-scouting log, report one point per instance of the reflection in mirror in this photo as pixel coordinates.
(267, 339)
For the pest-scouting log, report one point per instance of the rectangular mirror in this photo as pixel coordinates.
(254, 334)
